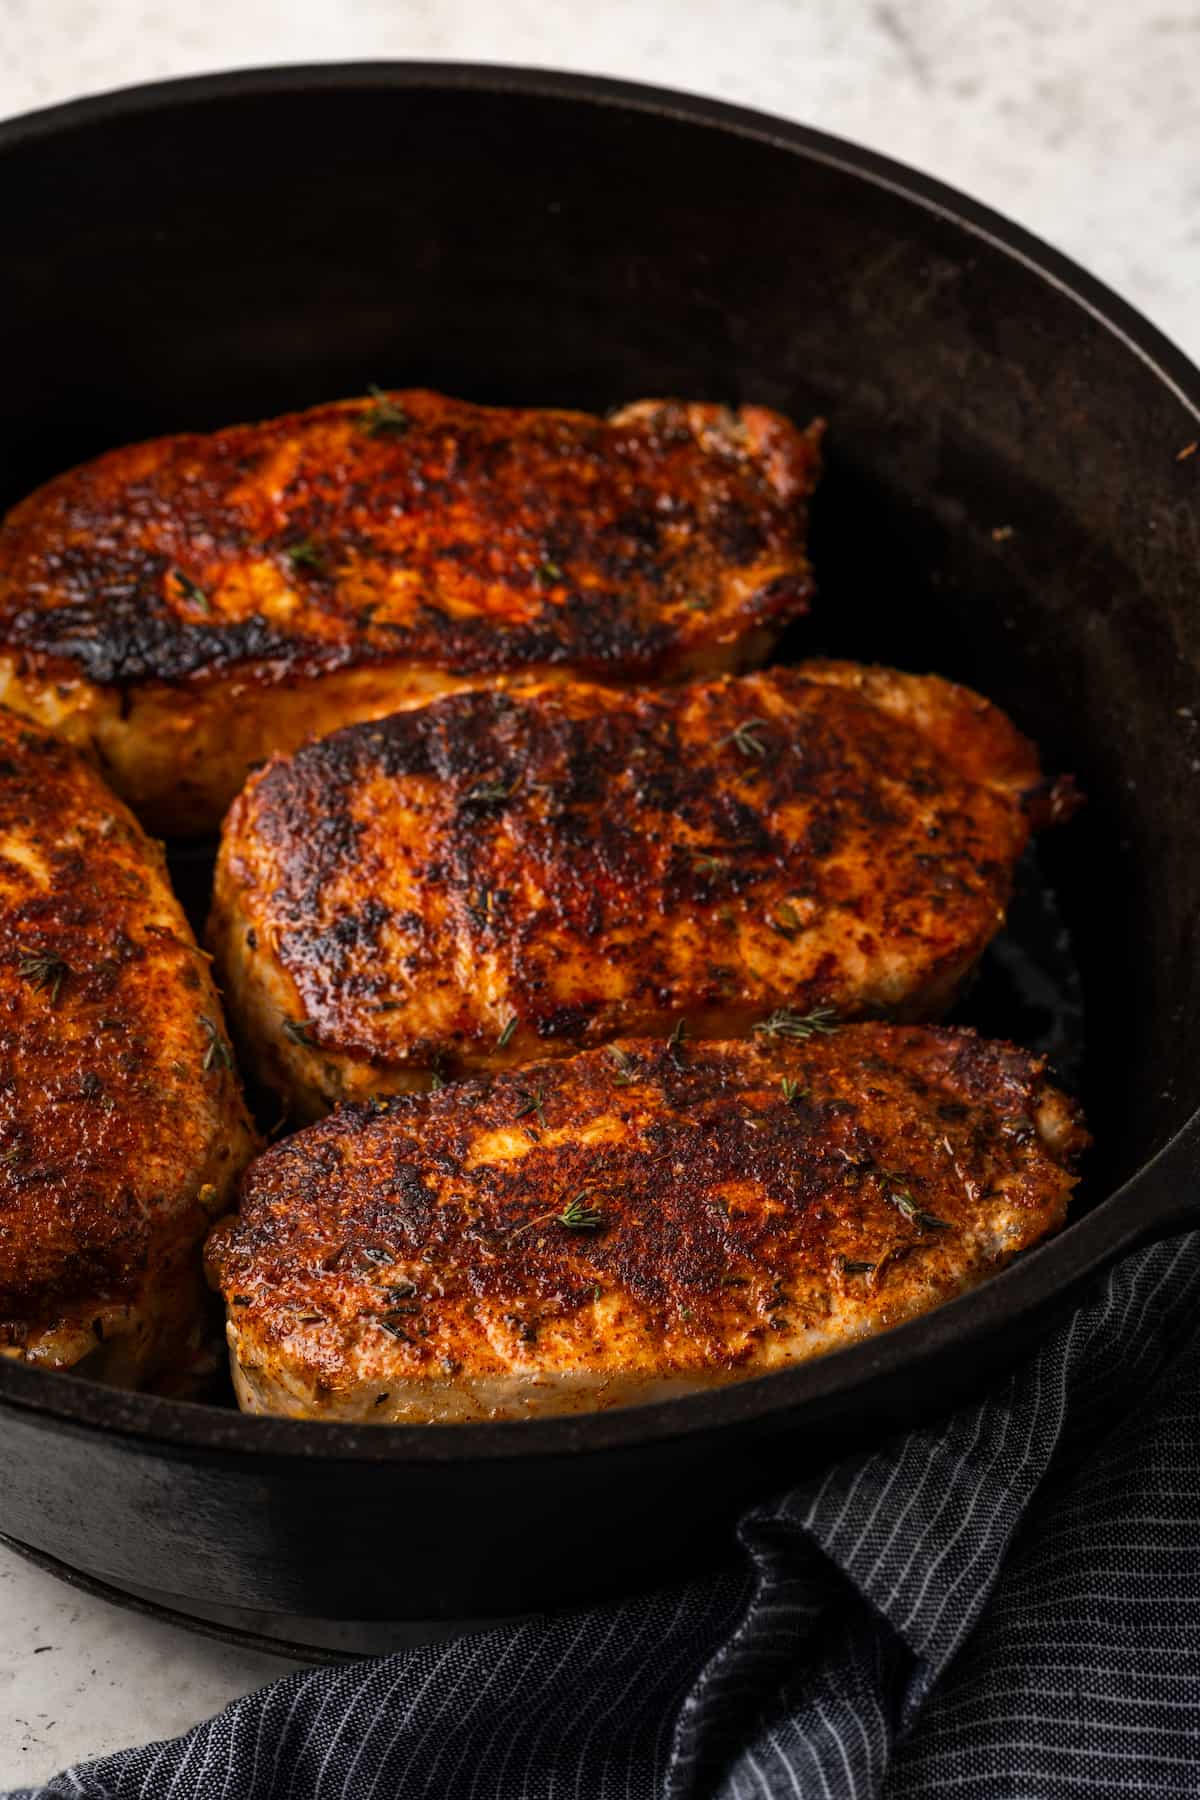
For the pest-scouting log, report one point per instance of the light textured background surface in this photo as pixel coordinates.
(1080, 120)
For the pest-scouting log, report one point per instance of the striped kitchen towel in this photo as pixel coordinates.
(1002, 1607)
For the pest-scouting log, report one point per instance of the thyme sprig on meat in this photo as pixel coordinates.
(486, 795)
(787, 921)
(218, 1054)
(576, 1215)
(708, 864)
(904, 1203)
(746, 739)
(306, 553)
(787, 1024)
(46, 972)
(191, 590)
(531, 1102)
(385, 418)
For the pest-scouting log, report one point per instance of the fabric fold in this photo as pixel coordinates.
(1007, 1603)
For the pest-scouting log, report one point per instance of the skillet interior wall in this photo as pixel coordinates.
(1002, 504)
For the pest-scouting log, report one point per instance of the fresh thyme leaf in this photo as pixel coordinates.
(47, 973)
(300, 1032)
(577, 1215)
(792, 1090)
(217, 1054)
(787, 1024)
(547, 573)
(393, 1330)
(532, 1103)
(487, 794)
(675, 1044)
(505, 1038)
(623, 1069)
(192, 591)
(904, 1203)
(436, 1081)
(711, 865)
(893, 1254)
(306, 554)
(787, 921)
(746, 739)
(385, 416)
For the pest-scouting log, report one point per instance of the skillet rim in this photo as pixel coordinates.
(1144, 1206)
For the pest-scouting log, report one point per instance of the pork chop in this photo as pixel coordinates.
(183, 607)
(638, 1222)
(122, 1126)
(503, 876)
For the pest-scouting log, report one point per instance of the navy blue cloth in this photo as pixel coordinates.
(1006, 1606)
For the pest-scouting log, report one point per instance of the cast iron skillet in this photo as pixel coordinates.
(1004, 503)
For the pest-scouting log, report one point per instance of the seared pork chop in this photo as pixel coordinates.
(183, 607)
(506, 875)
(637, 1222)
(122, 1128)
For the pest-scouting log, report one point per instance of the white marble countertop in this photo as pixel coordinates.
(1082, 121)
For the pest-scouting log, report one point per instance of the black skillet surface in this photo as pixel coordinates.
(1004, 503)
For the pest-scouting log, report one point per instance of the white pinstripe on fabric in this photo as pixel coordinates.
(408, 1709)
(948, 1499)
(961, 1531)
(551, 1713)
